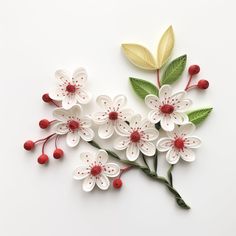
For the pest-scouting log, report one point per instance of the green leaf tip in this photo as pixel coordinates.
(142, 87)
(198, 116)
(174, 70)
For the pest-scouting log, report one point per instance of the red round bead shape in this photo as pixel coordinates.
(117, 183)
(167, 109)
(113, 115)
(96, 170)
(203, 84)
(46, 98)
(70, 88)
(28, 145)
(179, 143)
(58, 153)
(43, 159)
(73, 125)
(43, 124)
(135, 136)
(194, 69)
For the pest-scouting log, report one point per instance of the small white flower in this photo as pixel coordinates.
(179, 143)
(136, 137)
(113, 112)
(96, 170)
(70, 89)
(169, 109)
(71, 122)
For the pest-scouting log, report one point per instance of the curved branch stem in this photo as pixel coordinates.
(149, 173)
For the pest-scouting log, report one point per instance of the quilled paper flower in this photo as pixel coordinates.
(70, 89)
(73, 124)
(169, 108)
(136, 137)
(95, 170)
(113, 113)
(179, 143)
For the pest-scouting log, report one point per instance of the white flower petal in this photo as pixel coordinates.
(121, 143)
(102, 182)
(122, 128)
(81, 172)
(167, 123)
(192, 142)
(152, 101)
(119, 101)
(165, 93)
(183, 105)
(187, 155)
(63, 76)
(60, 128)
(150, 134)
(58, 93)
(101, 157)
(154, 116)
(177, 97)
(72, 139)
(69, 101)
(164, 144)
(87, 158)
(100, 118)
(106, 130)
(125, 114)
(79, 77)
(146, 124)
(82, 96)
(132, 152)
(85, 122)
(179, 118)
(172, 156)
(135, 121)
(89, 183)
(185, 129)
(105, 102)
(65, 115)
(147, 148)
(86, 134)
(111, 169)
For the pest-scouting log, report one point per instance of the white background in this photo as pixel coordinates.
(38, 37)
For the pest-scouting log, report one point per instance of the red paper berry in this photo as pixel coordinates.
(203, 84)
(43, 124)
(58, 153)
(194, 69)
(46, 98)
(29, 145)
(117, 183)
(43, 159)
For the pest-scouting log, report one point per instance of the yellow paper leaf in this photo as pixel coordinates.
(165, 47)
(139, 56)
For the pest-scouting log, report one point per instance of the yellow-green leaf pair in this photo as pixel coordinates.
(144, 59)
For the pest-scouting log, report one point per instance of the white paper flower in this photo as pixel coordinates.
(70, 89)
(96, 170)
(72, 123)
(179, 144)
(113, 112)
(136, 137)
(169, 109)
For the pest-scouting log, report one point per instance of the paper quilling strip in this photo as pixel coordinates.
(135, 134)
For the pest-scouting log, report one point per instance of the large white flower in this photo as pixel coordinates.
(136, 137)
(72, 123)
(179, 143)
(70, 89)
(168, 108)
(95, 170)
(113, 112)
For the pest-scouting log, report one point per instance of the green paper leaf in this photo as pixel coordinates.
(198, 116)
(174, 70)
(142, 87)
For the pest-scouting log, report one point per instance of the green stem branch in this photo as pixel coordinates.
(149, 173)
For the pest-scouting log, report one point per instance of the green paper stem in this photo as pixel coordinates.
(169, 174)
(181, 203)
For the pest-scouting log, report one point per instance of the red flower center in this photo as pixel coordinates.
(179, 143)
(96, 170)
(70, 88)
(167, 109)
(135, 136)
(113, 115)
(73, 125)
